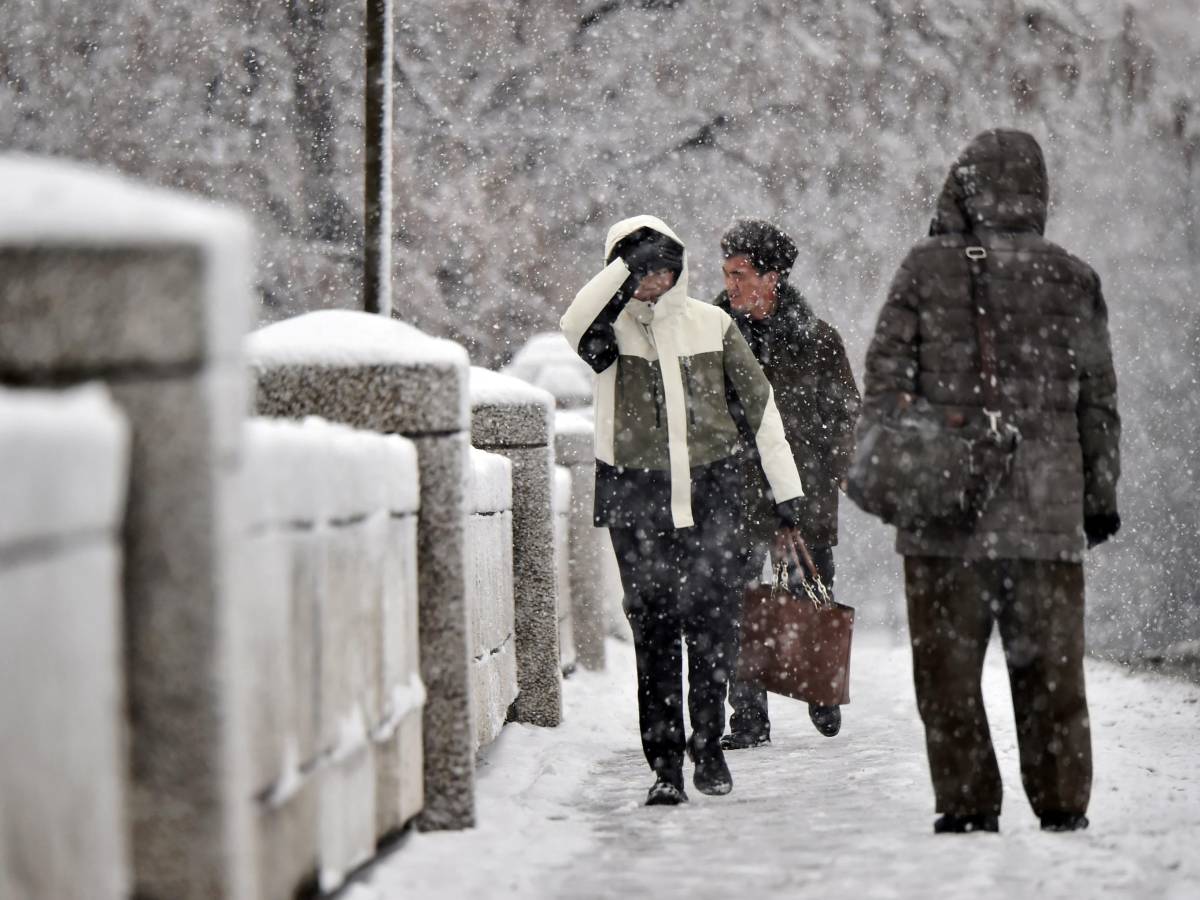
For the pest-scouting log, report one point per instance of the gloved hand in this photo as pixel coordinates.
(1099, 527)
(789, 545)
(647, 250)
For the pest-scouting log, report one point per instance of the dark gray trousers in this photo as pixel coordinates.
(1038, 606)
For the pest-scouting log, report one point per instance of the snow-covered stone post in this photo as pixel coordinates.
(149, 291)
(379, 374)
(63, 826)
(513, 418)
(573, 442)
(547, 360)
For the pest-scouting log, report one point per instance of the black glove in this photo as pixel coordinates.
(1099, 527)
(790, 513)
(647, 250)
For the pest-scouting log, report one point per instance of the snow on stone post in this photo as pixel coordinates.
(547, 360)
(64, 832)
(379, 374)
(573, 442)
(149, 291)
(513, 419)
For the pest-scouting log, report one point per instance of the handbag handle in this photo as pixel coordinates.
(814, 589)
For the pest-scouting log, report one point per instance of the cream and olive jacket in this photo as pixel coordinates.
(677, 392)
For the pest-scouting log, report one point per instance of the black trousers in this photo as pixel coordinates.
(953, 605)
(749, 698)
(680, 585)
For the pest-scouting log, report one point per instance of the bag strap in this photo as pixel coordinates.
(985, 334)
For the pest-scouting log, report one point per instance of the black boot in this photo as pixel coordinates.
(712, 774)
(744, 740)
(952, 824)
(1063, 821)
(667, 790)
(828, 719)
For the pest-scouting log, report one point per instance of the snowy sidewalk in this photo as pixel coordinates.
(561, 815)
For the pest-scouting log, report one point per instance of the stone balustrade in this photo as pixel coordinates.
(381, 375)
(334, 706)
(64, 456)
(490, 587)
(300, 628)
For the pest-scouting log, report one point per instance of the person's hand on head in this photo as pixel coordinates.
(646, 251)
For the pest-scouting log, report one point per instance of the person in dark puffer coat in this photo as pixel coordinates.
(1020, 566)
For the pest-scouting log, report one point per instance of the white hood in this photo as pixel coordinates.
(674, 300)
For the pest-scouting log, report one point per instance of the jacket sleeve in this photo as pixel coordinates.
(1096, 411)
(892, 362)
(839, 403)
(588, 321)
(753, 400)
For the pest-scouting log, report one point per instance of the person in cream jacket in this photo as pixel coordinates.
(678, 394)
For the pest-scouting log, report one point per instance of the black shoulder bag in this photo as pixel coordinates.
(914, 469)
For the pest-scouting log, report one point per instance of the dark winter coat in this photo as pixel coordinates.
(1054, 360)
(805, 361)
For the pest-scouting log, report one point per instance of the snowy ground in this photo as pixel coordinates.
(560, 811)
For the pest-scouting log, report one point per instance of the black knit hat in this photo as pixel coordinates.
(769, 249)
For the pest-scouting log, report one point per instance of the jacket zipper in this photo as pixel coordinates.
(657, 402)
(686, 365)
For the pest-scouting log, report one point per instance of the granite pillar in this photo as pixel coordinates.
(382, 375)
(149, 292)
(513, 419)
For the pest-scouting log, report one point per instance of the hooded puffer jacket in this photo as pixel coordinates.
(677, 389)
(1053, 357)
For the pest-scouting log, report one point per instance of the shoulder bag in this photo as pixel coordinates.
(914, 469)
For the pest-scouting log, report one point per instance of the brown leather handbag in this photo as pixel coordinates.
(794, 644)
